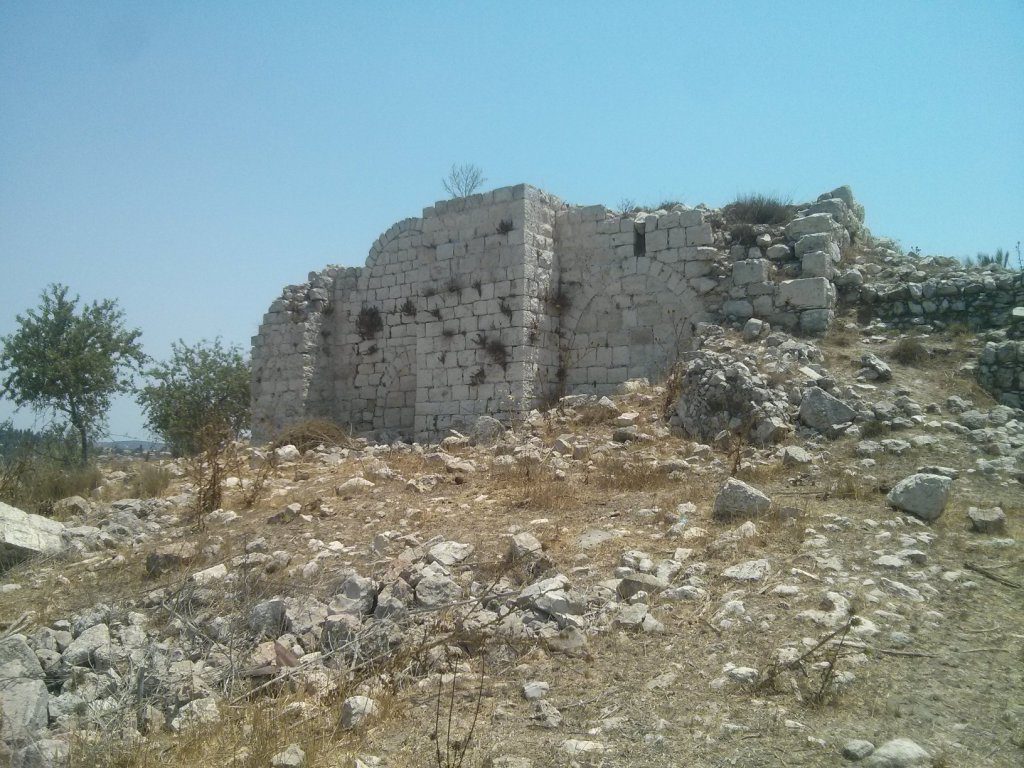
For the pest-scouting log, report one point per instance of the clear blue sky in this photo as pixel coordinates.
(191, 158)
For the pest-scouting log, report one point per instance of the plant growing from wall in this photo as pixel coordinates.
(463, 180)
(478, 377)
(477, 285)
(453, 285)
(505, 226)
(436, 313)
(369, 322)
(760, 209)
(558, 300)
(408, 308)
(505, 309)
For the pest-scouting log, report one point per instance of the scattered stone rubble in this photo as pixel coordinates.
(166, 660)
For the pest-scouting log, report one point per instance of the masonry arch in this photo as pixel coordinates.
(629, 321)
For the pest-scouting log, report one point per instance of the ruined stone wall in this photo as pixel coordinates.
(977, 299)
(1001, 371)
(496, 303)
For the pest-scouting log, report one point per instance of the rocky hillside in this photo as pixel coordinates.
(790, 553)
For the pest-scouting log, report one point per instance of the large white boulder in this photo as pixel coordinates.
(922, 495)
(24, 535)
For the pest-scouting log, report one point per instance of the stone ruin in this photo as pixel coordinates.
(501, 302)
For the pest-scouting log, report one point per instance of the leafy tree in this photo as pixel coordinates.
(201, 393)
(70, 360)
(463, 180)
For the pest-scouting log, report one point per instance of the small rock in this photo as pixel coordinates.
(795, 456)
(196, 712)
(287, 453)
(898, 753)
(170, 557)
(579, 747)
(821, 411)
(857, 749)
(737, 498)
(751, 570)
(924, 496)
(290, 757)
(357, 710)
(535, 690)
(987, 520)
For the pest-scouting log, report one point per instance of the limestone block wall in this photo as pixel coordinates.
(498, 302)
(631, 292)
(430, 333)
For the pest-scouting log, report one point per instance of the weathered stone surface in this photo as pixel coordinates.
(738, 499)
(987, 520)
(291, 756)
(822, 411)
(90, 649)
(922, 495)
(751, 570)
(806, 293)
(23, 694)
(170, 557)
(24, 535)
(356, 711)
(898, 753)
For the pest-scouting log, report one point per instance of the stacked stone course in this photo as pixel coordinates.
(1001, 371)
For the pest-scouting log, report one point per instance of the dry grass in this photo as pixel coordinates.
(310, 433)
(150, 481)
(909, 351)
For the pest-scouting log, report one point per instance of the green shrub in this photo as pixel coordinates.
(760, 209)
(202, 390)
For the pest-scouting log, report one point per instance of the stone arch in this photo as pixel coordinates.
(631, 320)
(393, 233)
(394, 405)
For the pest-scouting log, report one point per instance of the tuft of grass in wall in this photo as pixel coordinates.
(478, 377)
(408, 308)
(477, 285)
(369, 322)
(435, 312)
(760, 209)
(453, 286)
(506, 310)
(505, 226)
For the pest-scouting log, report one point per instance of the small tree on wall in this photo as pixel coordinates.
(463, 180)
